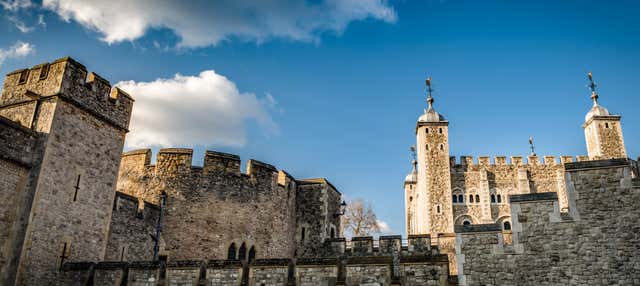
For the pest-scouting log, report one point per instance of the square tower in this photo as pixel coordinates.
(62, 209)
(603, 131)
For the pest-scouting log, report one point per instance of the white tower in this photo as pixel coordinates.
(434, 212)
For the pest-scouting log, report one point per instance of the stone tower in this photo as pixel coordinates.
(603, 131)
(434, 206)
(410, 199)
(64, 208)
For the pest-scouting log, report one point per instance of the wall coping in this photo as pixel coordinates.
(597, 164)
(491, 227)
(550, 196)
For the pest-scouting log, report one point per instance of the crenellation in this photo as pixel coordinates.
(260, 170)
(221, 162)
(466, 160)
(582, 158)
(533, 160)
(549, 160)
(68, 80)
(484, 161)
(500, 160)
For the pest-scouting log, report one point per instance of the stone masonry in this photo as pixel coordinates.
(74, 210)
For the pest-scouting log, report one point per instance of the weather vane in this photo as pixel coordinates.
(533, 152)
(429, 91)
(592, 86)
(413, 152)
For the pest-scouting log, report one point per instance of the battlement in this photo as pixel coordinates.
(470, 161)
(181, 160)
(385, 245)
(67, 79)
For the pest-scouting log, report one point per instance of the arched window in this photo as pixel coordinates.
(333, 233)
(493, 198)
(426, 130)
(507, 225)
(606, 125)
(440, 130)
(455, 198)
(441, 147)
(466, 222)
(477, 198)
(499, 199)
(252, 254)
(460, 198)
(471, 198)
(242, 254)
(231, 254)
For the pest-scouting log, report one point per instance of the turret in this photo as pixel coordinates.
(602, 130)
(410, 182)
(434, 179)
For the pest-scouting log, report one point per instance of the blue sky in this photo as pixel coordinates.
(333, 89)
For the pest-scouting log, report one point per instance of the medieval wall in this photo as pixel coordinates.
(133, 222)
(604, 137)
(210, 208)
(12, 183)
(74, 194)
(317, 215)
(493, 182)
(79, 123)
(352, 263)
(594, 243)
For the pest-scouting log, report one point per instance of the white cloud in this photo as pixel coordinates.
(15, 5)
(384, 227)
(204, 23)
(17, 50)
(206, 109)
(20, 25)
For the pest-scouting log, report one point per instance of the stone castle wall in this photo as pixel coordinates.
(493, 182)
(317, 209)
(208, 208)
(353, 263)
(72, 129)
(594, 243)
(133, 222)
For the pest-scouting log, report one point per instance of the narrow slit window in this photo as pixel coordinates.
(24, 76)
(438, 209)
(302, 234)
(77, 187)
(440, 130)
(65, 254)
(477, 198)
(44, 71)
(499, 199)
(493, 198)
(471, 198)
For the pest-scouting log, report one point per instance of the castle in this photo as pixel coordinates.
(75, 210)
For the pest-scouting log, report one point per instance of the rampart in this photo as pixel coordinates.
(481, 187)
(388, 261)
(66, 79)
(595, 242)
(209, 208)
